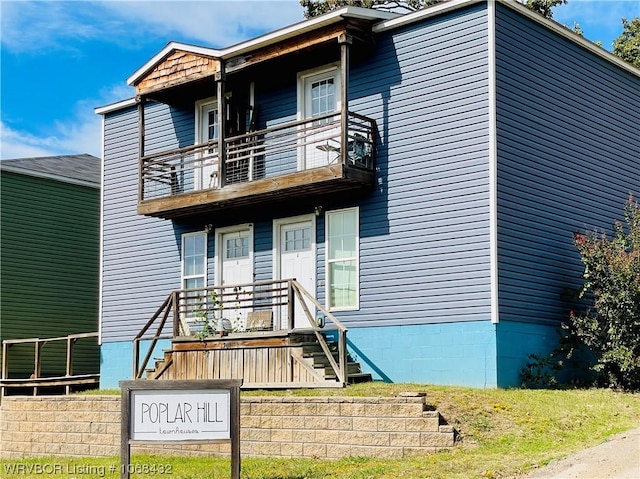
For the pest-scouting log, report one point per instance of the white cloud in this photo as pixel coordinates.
(82, 133)
(41, 27)
(216, 23)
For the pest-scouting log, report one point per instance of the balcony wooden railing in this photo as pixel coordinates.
(217, 310)
(274, 151)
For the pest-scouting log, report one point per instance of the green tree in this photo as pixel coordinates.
(543, 7)
(627, 45)
(313, 8)
(611, 328)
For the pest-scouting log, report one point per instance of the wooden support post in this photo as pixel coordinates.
(5, 366)
(36, 365)
(69, 368)
(291, 307)
(176, 314)
(342, 351)
(222, 154)
(136, 357)
(140, 100)
(345, 42)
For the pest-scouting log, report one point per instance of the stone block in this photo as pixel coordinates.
(417, 451)
(269, 449)
(379, 452)
(329, 437)
(271, 422)
(375, 438)
(293, 422)
(404, 439)
(305, 409)
(342, 423)
(436, 439)
(328, 409)
(291, 449)
(281, 435)
(423, 424)
(392, 424)
(355, 410)
(336, 451)
(303, 435)
(249, 421)
(314, 450)
(365, 424)
(251, 434)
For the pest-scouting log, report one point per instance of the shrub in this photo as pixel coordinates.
(611, 327)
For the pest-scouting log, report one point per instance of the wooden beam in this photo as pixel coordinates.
(222, 156)
(276, 185)
(141, 100)
(283, 48)
(345, 43)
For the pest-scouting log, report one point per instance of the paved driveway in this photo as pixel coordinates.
(617, 458)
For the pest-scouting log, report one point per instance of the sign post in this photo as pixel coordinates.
(180, 412)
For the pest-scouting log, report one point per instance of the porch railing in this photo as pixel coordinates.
(216, 310)
(274, 151)
(36, 379)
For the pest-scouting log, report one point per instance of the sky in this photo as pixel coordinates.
(59, 60)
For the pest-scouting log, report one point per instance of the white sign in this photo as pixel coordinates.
(180, 415)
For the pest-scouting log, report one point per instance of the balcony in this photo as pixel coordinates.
(293, 161)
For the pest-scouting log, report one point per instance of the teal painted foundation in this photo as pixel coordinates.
(515, 342)
(476, 354)
(462, 354)
(116, 361)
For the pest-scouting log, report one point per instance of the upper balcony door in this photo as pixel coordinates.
(206, 166)
(318, 95)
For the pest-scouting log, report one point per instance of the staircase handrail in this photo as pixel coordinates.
(164, 309)
(339, 369)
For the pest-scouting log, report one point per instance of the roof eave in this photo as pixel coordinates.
(265, 40)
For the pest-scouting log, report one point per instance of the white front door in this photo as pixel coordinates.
(296, 259)
(320, 96)
(206, 167)
(235, 258)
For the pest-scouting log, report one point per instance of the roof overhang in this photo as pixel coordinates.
(266, 40)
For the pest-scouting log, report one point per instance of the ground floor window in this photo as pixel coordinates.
(342, 251)
(194, 266)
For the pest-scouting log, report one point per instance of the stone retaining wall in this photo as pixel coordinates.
(324, 427)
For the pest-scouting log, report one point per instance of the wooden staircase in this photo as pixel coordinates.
(286, 360)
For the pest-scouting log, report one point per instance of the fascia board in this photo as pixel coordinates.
(264, 40)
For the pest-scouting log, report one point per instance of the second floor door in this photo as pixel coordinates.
(206, 164)
(320, 92)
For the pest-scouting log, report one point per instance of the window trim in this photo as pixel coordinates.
(327, 289)
(190, 316)
(331, 68)
(200, 104)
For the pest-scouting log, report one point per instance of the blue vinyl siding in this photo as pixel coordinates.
(141, 260)
(568, 157)
(424, 247)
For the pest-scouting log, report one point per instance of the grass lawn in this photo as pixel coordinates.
(504, 433)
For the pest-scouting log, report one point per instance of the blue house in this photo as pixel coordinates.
(362, 194)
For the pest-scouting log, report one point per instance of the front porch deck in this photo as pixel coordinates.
(265, 355)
